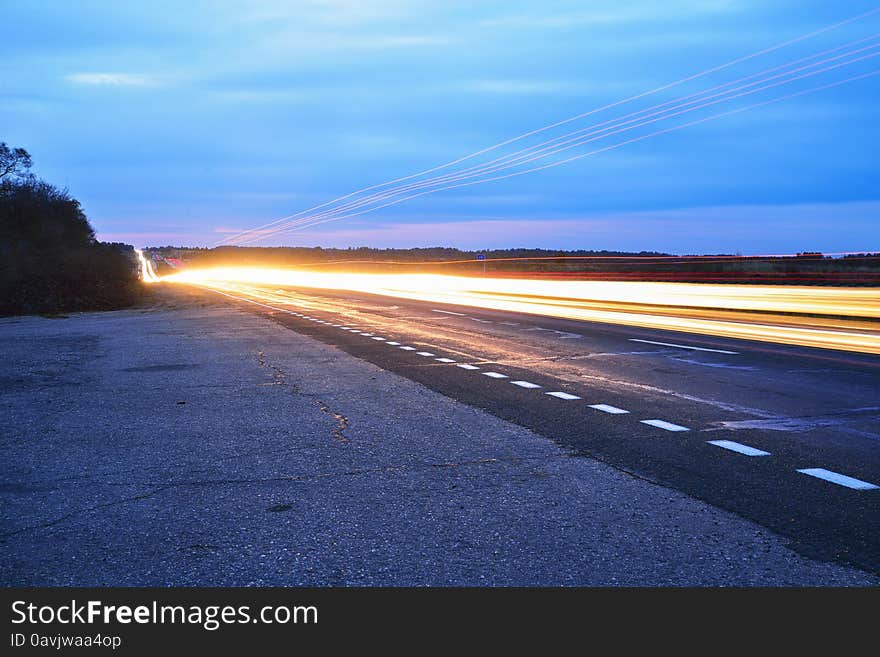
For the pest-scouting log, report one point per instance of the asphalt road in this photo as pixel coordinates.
(196, 442)
(784, 436)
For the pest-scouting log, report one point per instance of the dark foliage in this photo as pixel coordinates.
(50, 261)
(14, 162)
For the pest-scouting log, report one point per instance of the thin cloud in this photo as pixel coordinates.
(611, 15)
(292, 41)
(224, 230)
(147, 237)
(399, 41)
(111, 79)
(524, 87)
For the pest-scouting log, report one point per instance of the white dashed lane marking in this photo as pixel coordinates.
(606, 408)
(444, 360)
(563, 395)
(465, 366)
(738, 447)
(392, 343)
(684, 346)
(525, 384)
(425, 353)
(663, 424)
(495, 375)
(839, 479)
(408, 348)
(448, 312)
(376, 337)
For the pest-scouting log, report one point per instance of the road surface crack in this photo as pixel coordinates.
(155, 487)
(279, 378)
(96, 507)
(342, 422)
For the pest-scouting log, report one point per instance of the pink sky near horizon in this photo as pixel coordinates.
(796, 228)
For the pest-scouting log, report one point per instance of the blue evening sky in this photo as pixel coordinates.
(178, 122)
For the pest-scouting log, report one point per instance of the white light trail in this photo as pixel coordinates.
(827, 317)
(596, 151)
(587, 135)
(291, 222)
(148, 274)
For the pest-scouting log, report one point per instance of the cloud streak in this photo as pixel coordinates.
(522, 86)
(112, 79)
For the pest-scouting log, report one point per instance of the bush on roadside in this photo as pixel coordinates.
(50, 261)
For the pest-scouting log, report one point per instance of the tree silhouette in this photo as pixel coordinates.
(50, 261)
(14, 162)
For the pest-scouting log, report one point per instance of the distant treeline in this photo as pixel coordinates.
(50, 261)
(317, 254)
(803, 268)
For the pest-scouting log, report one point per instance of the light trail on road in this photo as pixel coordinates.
(824, 317)
(148, 274)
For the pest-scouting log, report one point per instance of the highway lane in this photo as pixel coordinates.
(843, 318)
(786, 436)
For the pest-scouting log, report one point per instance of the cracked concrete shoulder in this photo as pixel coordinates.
(68, 516)
(154, 488)
(280, 378)
(342, 422)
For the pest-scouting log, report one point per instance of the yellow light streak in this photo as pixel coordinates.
(148, 274)
(826, 317)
